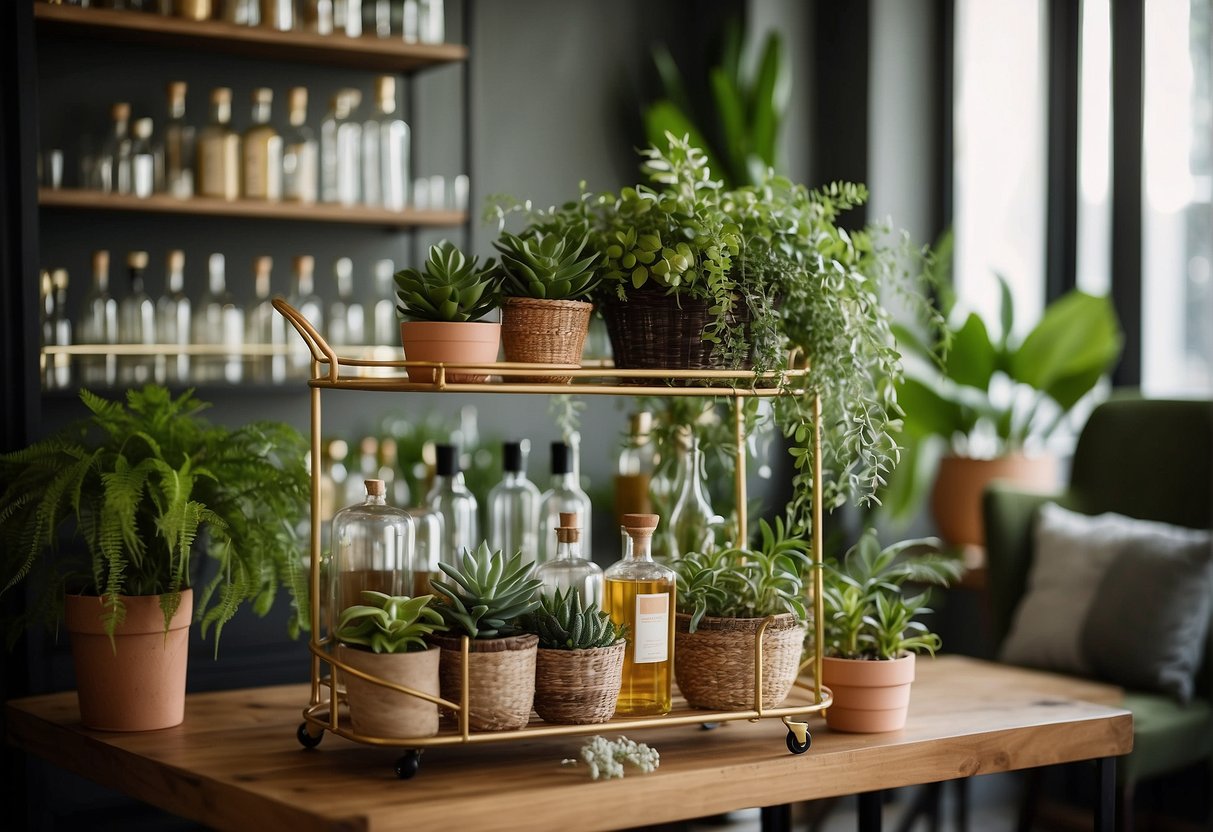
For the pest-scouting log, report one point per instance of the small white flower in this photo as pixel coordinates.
(605, 758)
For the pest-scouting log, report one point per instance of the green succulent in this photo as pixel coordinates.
(451, 288)
(488, 594)
(562, 623)
(389, 623)
(546, 266)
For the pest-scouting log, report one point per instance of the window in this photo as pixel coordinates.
(1094, 248)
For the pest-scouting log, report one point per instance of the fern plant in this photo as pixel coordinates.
(389, 623)
(451, 287)
(487, 593)
(146, 485)
(562, 622)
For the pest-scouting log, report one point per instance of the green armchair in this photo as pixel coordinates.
(1147, 459)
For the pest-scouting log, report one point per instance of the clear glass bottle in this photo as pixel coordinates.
(242, 12)
(317, 16)
(113, 165)
(387, 321)
(142, 175)
(265, 328)
(136, 323)
(408, 21)
(693, 525)
(99, 326)
(341, 150)
(177, 152)
(219, 322)
(640, 595)
(513, 508)
(430, 534)
(634, 473)
(391, 474)
(569, 569)
(451, 499)
(303, 297)
(173, 319)
(261, 150)
(431, 21)
(347, 17)
(300, 153)
(278, 14)
(59, 332)
(565, 495)
(382, 15)
(219, 151)
(347, 320)
(385, 150)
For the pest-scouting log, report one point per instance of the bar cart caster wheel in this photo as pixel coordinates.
(709, 726)
(408, 765)
(795, 745)
(305, 736)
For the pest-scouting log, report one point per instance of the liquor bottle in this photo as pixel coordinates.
(431, 21)
(341, 150)
(514, 508)
(387, 321)
(373, 548)
(347, 321)
(382, 15)
(99, 326)
(219, 151)
(177, 148)
(317, 16)
(390, 473)
(693, 525)
(262, 152)
(265, 328)
(278, 14)
(635, 469)
(385, 150)
(569, 569)
(194, 9)
(565, 495)
(219, 322)
(142, 175)
(639, 594)
(303, 298)
(173, 319)
(457, 506)
(59, 331)
(300, 153)
(347, 17)
(113, 165)
(409, 21)
(242, 12)
(136, 323)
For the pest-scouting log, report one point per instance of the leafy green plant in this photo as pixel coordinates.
(546, 266)
(487, 593)
(867, 616)
(144, 486)
(389, 623)
(562, 622)
(451, 287)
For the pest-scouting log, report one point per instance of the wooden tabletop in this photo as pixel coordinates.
(235, 762)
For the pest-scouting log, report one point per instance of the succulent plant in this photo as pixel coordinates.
(563, 623)
(488, 594)
(389, 623)
(450, 288)
(546, 265)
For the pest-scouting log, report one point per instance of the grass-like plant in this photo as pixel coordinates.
(450, 287)
(563, 622)
(487, 593)
(389, 623)
(547, 266)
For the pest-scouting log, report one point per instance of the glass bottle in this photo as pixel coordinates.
(173, 319)
(113, 165)
(408, 21)
(514, 508)
(382, 15)
(385, 150)
(341, 150)
(303, 298)
(429, 527)
(194, 9)
(347, 17)
(142, 175)
(59, 330)
(177, 148)
(219, 322)
(568, 569)
(387, 321)
(99, 326)
(373, 546)
(219, 151)
(634, 473)
(451, 499)
(390, 473)
(242, 12)
(261, 173)
(265, 328)
(136, 323)
(693, 526)
(278, 14)
(317, 16)
(640, 595)
(431, 21)
(300, 154)
(564, 495)
(347, 322)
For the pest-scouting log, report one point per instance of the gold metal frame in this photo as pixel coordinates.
(325, 711)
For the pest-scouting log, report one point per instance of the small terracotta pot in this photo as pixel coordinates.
(960, 481)
(467, 342)
(137, 682)
(870, 695)
(501, 680)
(535, 331)
(377, 711)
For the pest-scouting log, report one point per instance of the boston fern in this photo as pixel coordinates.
(563, 623)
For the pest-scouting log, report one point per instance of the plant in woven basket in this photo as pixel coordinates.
(451, 287)
(389, 623)
(563, 622)
(547, 266)
(487, 593)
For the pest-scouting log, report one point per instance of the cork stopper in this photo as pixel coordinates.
(121, 111)
(385, 92)
(263, 95)
(176, 90)
(59, 279)
(570, 520)
(305, 264)
(136, 260)
(221, 95)
(297, 105)
(375, 488)
(143, 128)
(176, 260)
(263, 265)
(101, 262)
(640, 525)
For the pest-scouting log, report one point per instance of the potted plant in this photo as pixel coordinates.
(483, 600)
(579, 666)
(384, 638)
(441, 307)
(871, 630)
(142, 487)
(724, 600)
(544, 314)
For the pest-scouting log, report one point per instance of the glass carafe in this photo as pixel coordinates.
(451, 499)
(693, 526)
(565, 495)
(514, 508)
(568, 569)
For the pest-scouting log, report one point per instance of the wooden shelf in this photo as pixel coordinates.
(366, 52)
(69, 198)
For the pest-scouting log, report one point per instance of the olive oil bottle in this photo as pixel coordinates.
(640, 594)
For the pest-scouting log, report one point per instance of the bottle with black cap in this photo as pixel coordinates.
(452, 501)
(514, 508)
(565, 495)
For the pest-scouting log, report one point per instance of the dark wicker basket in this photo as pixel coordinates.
(653, 330)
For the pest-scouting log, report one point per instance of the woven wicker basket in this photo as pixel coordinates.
(544, 332)
(652, 330)
(578, 687)
(501, 680)
(714, 665)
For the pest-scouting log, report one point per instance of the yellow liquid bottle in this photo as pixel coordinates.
(640, 594)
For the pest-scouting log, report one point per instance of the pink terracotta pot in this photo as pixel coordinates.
(468, 342)
(960, 481)
(870, 696)
(137, 682)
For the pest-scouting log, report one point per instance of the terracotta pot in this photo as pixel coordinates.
(870, 695)
(960, 481)
(137, 682)
(501, 680)
(468, 342)
(377, 711)
(714, 665)
(535, 331)
(578, 687)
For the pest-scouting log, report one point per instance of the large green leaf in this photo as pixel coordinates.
(666, 117)
(730, 110)
(1077, 340)
(972, 359)
(671, 78)
(1006, 308)
(768, 100)
(927, 412)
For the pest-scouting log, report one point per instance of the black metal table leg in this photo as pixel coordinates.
(1105, 794)
(777, 818)
(869, 811)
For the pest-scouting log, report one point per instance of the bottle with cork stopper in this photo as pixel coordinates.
(569, 569)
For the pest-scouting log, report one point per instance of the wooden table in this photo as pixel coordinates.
(235, 762)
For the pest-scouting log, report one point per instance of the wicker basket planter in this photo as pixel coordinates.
(377, 711)
(714, 665)
(467, 342)
(578, 687)
(501, 680)
(544, 332)
(653, 330)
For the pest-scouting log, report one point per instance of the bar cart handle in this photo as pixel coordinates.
(319, 348)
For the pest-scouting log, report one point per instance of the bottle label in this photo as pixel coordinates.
(652, 632)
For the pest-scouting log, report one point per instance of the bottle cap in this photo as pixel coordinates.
(59, 278)
(176, 90)
(304, 263)
(447, 461)
(641, 521)
(101, 261)
(143, 128)
(263, 95)
(561, 458)
(375, 488)
(221, 95)
(263, 265)
(512, 457)
(176, 260)
(369, 446)
(385, 92)
(338, 449)
(136, 260)
(121, 111)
